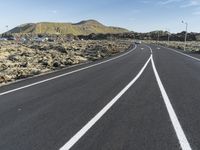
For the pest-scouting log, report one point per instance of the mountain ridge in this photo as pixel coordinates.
(84, 27)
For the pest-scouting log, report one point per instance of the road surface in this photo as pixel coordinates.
(145, 99)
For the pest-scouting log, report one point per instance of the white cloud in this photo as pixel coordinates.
(183, 3)
(145, 2)
(54, 11)
(168, 2)
(196, 13)
(191, 3)
(132, 19)
(135, 11)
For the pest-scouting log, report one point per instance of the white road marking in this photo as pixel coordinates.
(65, 74)
(174, 119)
(83, 130)
(149, 49)
(45, 73)
(182, 53)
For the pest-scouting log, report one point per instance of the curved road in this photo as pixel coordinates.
(146, 98)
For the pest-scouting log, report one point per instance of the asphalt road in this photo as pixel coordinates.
(145, 99)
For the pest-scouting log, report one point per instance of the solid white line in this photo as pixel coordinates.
(181, 53)
(83, 130)
(44, 73)
(65, 74)
(176, 124)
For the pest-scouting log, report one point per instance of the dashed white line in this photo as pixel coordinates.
(83, 130)
(65, 74)
(174, 119)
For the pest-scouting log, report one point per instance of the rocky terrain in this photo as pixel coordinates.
(155, 35)
(18, 61)
(191, 46)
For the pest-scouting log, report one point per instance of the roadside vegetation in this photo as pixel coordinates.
(191, 46)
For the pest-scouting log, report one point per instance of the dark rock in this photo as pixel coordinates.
(56, 64)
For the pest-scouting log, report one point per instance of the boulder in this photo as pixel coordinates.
(4, 78)
(56, 64)
(13, 57)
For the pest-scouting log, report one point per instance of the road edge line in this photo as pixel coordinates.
(171, 49)
(174, 119)
(86, 127)
(65, 74)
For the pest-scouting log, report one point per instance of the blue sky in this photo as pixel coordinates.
(135, 15)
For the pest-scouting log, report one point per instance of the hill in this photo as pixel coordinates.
(81, 28)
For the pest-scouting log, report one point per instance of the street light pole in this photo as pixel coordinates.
(168, 35)
(186, 28)
(158, 36)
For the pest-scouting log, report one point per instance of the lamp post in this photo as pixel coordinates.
(168, 33)
(186, 28)
(158, 37)
(168, 37)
